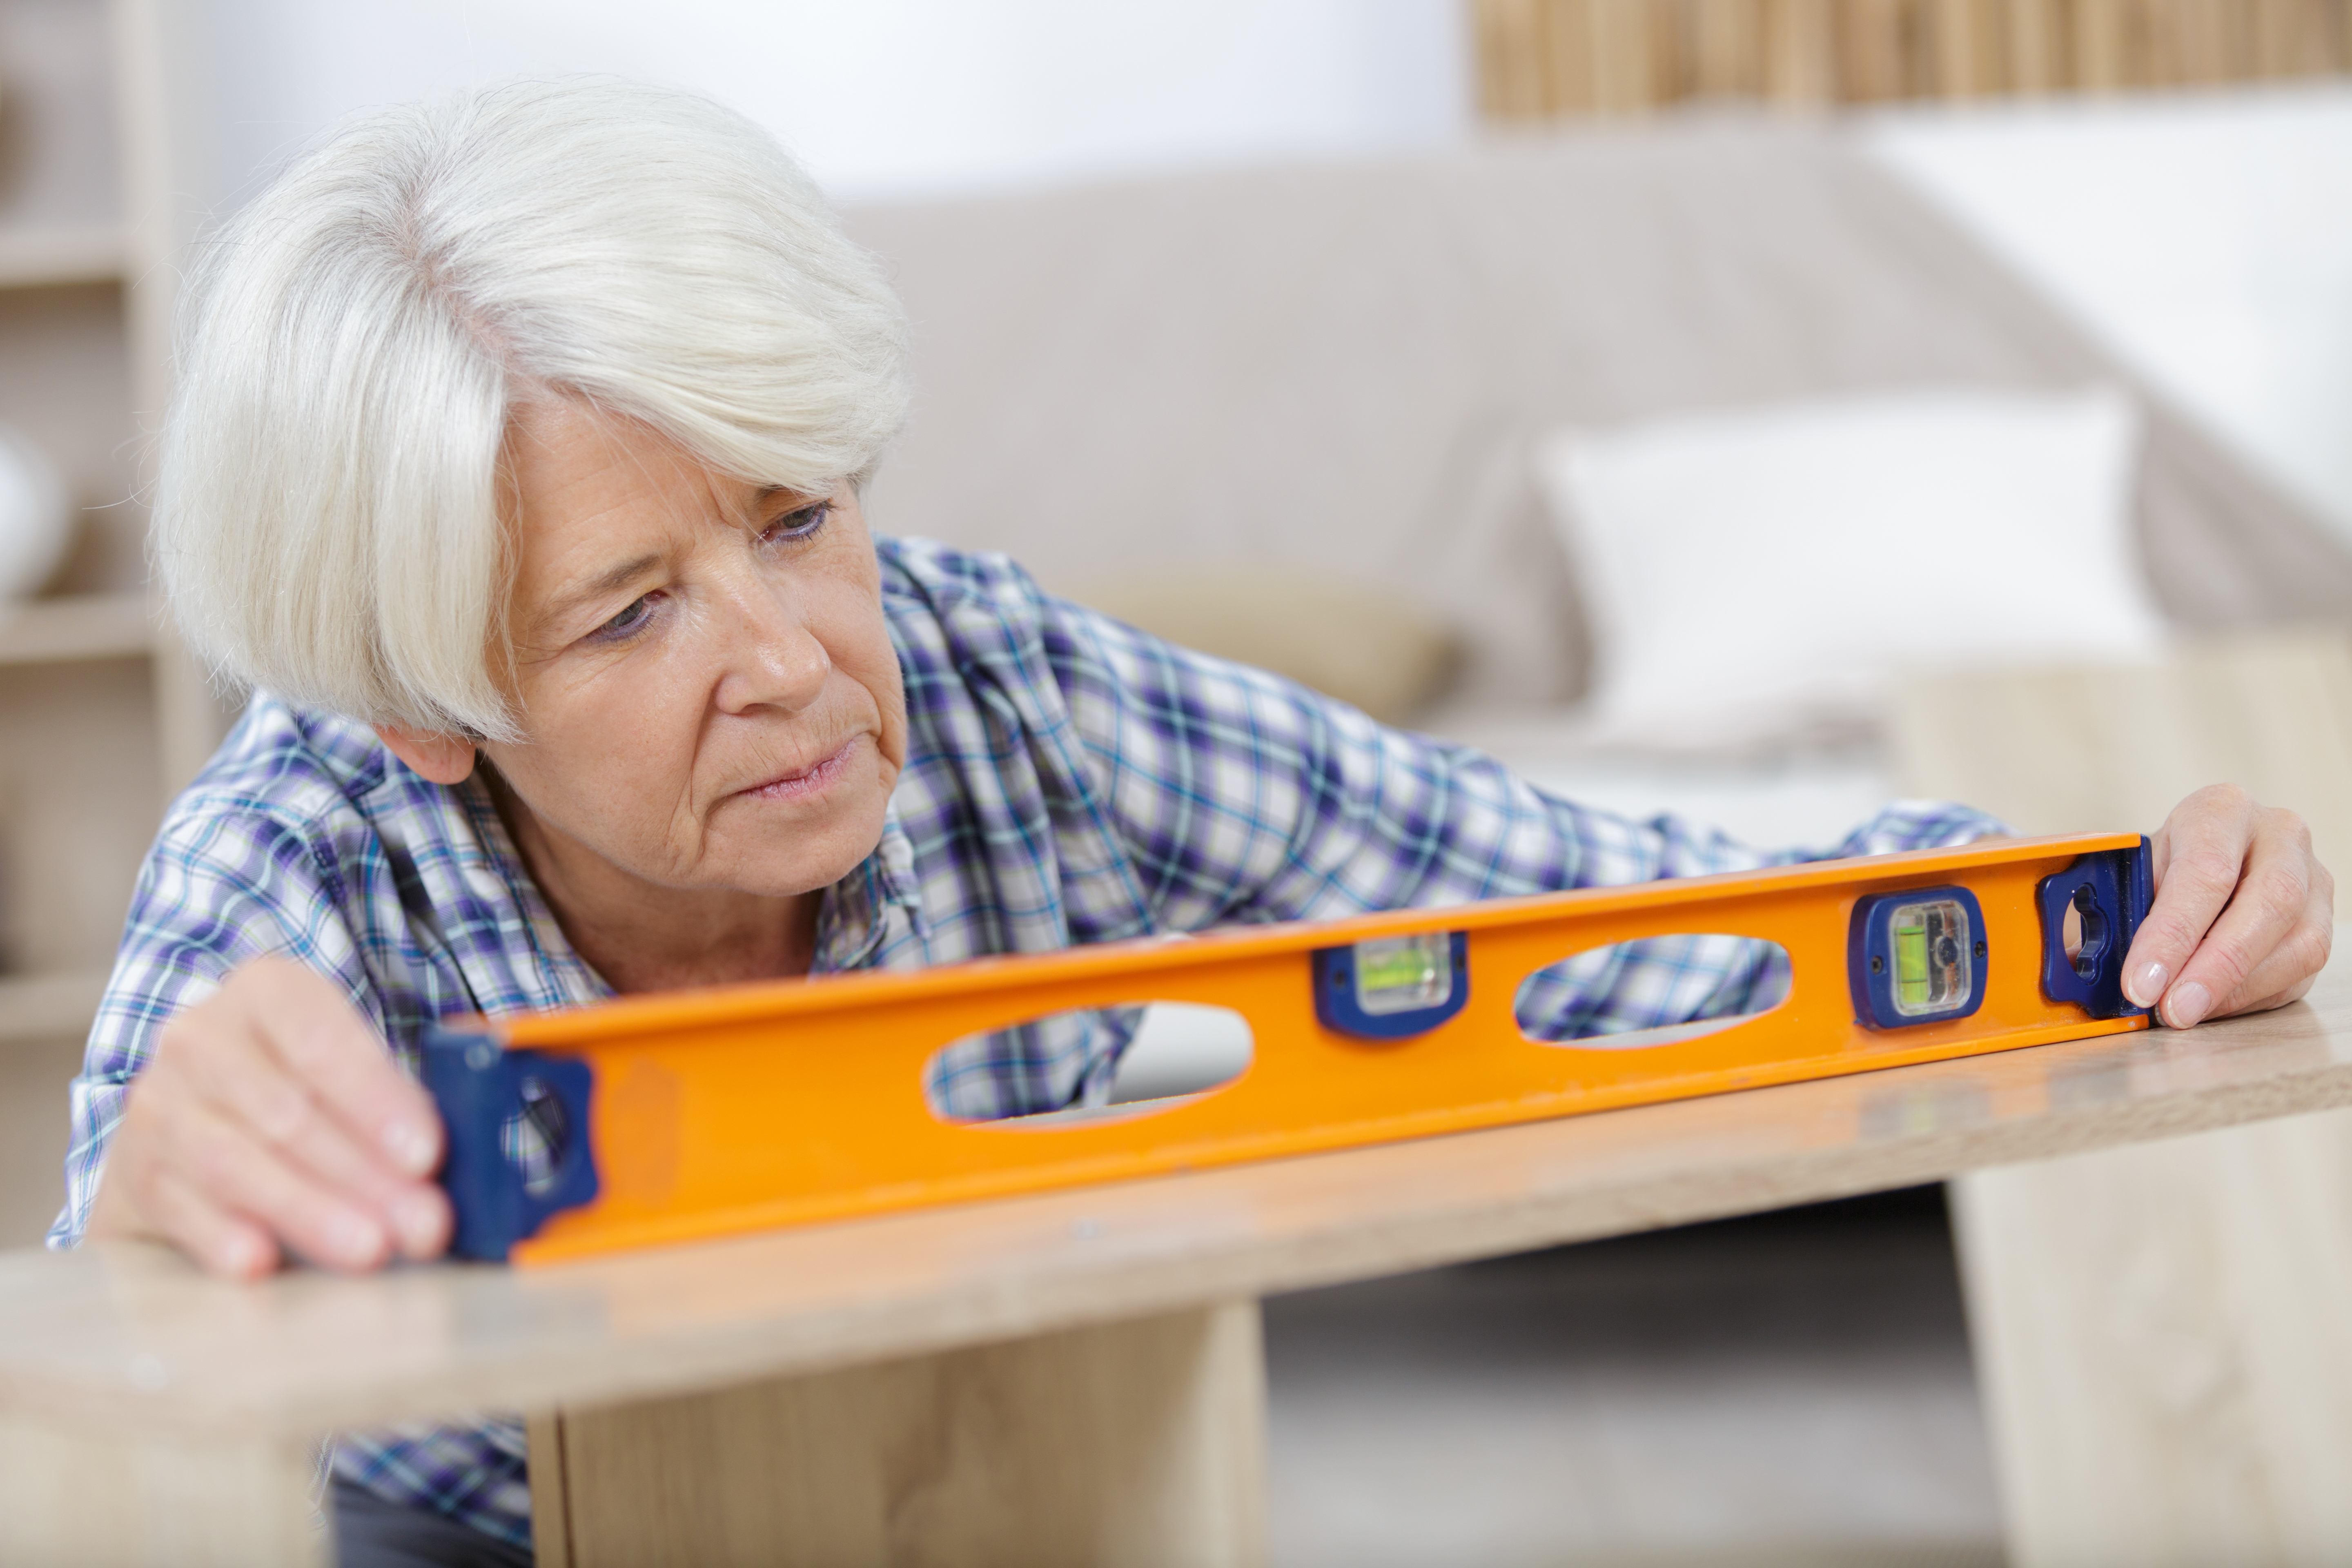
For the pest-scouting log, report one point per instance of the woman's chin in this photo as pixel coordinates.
(777, 849)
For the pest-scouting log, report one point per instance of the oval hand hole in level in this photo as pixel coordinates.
(1657, 991)
(1167, 1052)
(535, 1138)
(2082, 932)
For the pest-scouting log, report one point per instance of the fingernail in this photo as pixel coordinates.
(420, 1218)
(410, 1148)
(242, 1255)
(2187, 1005)
(356, 1240)
(2146, 983)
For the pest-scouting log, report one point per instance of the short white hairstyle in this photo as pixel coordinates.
(328, 492)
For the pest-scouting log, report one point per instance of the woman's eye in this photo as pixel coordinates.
(799, 524)
(628, 621)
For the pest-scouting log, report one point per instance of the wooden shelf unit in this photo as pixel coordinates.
(44, 1006)
(52, 255)
(77, 626)
(101, 717)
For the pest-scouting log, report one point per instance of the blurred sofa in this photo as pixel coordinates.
(1345, 367)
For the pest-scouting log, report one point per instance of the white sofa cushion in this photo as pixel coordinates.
(1763, 574)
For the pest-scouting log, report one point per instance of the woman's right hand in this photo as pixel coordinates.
(270, 1119)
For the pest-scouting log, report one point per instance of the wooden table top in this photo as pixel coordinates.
(122, 1337)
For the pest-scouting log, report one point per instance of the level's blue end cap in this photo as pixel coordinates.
(2110, 891)
(517, 1127)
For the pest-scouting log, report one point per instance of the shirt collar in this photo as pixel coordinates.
(861, 912)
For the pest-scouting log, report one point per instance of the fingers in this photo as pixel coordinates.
(2287, 970)
(230, 1169)
(220, 1241)
(2244, 916)
(273, 1120)
(331, 1051)
(2198, 855)
(282, 1134)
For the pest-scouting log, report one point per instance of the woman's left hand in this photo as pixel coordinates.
(2244, 914)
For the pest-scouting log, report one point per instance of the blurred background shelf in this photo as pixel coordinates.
(48, 1007)
(78, 627)
(102, 716)
(46, 256)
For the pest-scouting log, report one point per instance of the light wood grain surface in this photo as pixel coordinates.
(1132, 1444)
(2159, 1330)
(193, 1503)
(127, 1337)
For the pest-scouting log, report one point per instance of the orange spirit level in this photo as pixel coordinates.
(668, 1118)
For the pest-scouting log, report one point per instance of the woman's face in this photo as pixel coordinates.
(705, 676)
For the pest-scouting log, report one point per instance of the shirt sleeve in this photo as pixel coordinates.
(1246, 797)
(219, 887)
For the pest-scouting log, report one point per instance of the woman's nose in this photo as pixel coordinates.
(768, 656)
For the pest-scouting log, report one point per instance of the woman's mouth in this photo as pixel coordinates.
(812, 780)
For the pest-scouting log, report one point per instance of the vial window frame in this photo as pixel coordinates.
(1871, 958)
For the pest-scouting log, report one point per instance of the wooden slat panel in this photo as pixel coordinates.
(1509, 36)
(2298, 37)
(1875, 49)
(1571, 66)
(1727, 49)
(1541, 59)
(2102, 31)
(2277, 28)
(2215, 36)
(1628, 60)
(1800, 52)
(1967, 47)
(2039, 36)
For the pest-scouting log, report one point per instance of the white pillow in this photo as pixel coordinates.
(1753, 576)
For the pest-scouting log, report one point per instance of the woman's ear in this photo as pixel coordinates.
(445, 759)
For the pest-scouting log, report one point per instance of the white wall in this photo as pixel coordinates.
(2203, 239)
(2206, 238)
(886, 98)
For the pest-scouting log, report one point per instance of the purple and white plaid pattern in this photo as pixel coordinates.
(1071, 780)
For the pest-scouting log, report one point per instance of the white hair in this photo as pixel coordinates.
(328, 500)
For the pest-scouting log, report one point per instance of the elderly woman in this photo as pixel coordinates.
(516, 467)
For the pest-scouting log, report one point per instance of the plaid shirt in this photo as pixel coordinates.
(1069, 780)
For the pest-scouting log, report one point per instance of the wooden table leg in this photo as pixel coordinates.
(2160, 1331)
(214, 1502)
(2162, 1346)
(1132, 1444)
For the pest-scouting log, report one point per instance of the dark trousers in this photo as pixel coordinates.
(373, 1534)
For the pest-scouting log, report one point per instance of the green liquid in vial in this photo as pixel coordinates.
(1399, 973)
(1403, 969)
(1911, 964)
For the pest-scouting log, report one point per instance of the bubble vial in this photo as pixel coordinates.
(1932, 943)
(1403, 973)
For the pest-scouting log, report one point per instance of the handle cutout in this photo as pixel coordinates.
(1154, 1052)
(1555, 1006)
